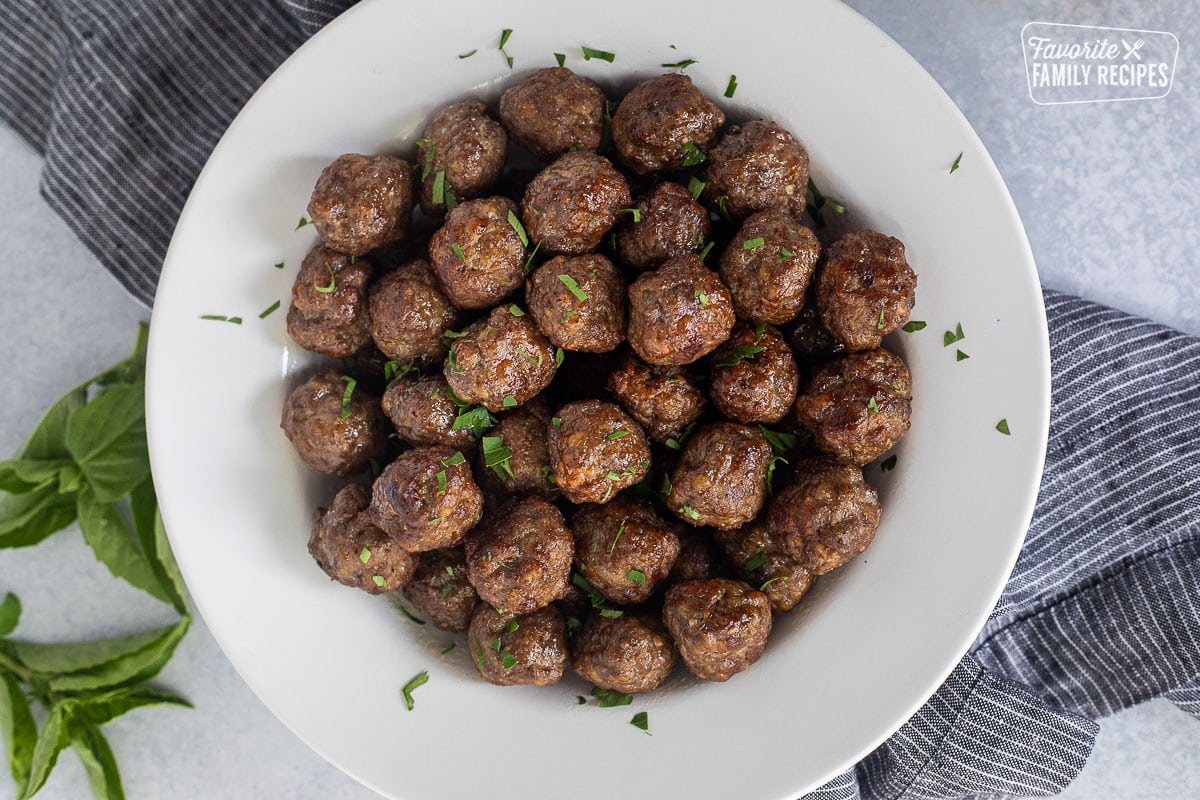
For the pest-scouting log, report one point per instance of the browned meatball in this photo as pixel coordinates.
(409, 314)
(664, 400)
(809, 339)
(679, 312)
(440, 589)
(755, 166)
(478, 255)
(754, 376)
(465, 147)
(361, 203)
(514, 458)
(720, 626)
(757, 557)
(511, 650)
(354, 552)
(519, 559)
(631, 653)
(571, 204)
(596, 450)
(721, 479)
(669, 223)
(697, 557)
(501, 361)
(664, 123)
(865, 290)
(826, 517)
(769, 265)
(423, 412)
(553, 111)
(579, 302)
(426, 499)
(623, 548)
(857, 407)
(330, 433)
(329, 313)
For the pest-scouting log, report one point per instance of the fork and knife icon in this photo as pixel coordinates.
(1132, 49)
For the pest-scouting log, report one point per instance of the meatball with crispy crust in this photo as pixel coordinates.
(325, 438)
(500, 361)
(664, 400)
(354, 552)
(697, 556)
(570, 205)
(857, 407)
(514, 458)
(596, 450)
(769, 265)
(623, 548)
(478, 255)
(441, 591)
(754, 376)
(409, 314)
(721, 479)
(553, 111)
(757, 557)
(678, 312)
(579, 302)
(423, 412)
(361, 203)
(865, 290)
(826, 517)
(460, 155)
(631, 653)
(520, 558)
(426, 499)
(755, 166)
(511, 650)
(720, 626)
(664, 123)
(329, 311)
(669, 222)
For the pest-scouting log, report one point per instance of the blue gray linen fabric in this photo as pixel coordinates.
(126, 98)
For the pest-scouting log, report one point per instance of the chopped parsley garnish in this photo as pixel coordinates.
(612, 613)
(580, 700)
(515, 222)
(450, 570)
(458, 251)
(771, 472)
(608, 698)
(421, 679)
(364, 555)
(279, 265)
(676, 443)
(497, 645)
(763, 588)
(731, 87)
(449, 336)
(447, 648)
(881, 323)
(913, 326)
(589, 53)
(529, 261)
(573, 624)
(957, 161)
(428, 145)
(702, 297)
(689, 512)
(595, 596)
(439, 188)
(504, 34)
(537, 362)
(707, 248)
(561, 58)
(497, 457)
(755, 561)
(780, 442)
(1002, 426)
(821, 202)
(434, 521)
(635, 212)
(445, 590)
(558, 357)
(347, 394)
(692, 155)
(753, 244)
(666, 484)
(454, 460)
(620, 529)
(950, 337)
(617, 435)
(222, 318)
(695, 186)
(573, 287)
(680, 65)
(785, 254)
(478, 653)
(413, 618)
(556, 421)
(636, 575)
(740, 352)
(266, 312)
(509, 401)
(332, 281)
(394, 372)
(507, 660)
(887, 464)
(441, 481)
(302, 223)
(380, 581)
(641, 721)
(872, 405)
(512, 627)
(477, 419)
(452, 360)
(959, 355)
(723, 207)
(467, 54)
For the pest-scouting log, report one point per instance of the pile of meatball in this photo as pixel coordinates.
(612, 394)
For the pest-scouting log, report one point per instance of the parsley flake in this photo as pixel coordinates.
(680, 65)
(589, 53)
(707, 248)
(641, 721)
(302, 223)
(346, 395)
(467, 54)
(785, 254)
(913, 326)
(950, 337)
(695, 186)
(447, 648)
(269, 310)
(692, 155)
(529, 261)
(515, 222)
(478, 653)
(458, 251)
(413, 618)
(609, 698)
(279, 265)
(454, 460)
(221, 318)
(332, 281)
(439, 188)
(558, 357)
(379, 580)
(441, 481)
(636, 213)
(561, 58)
(755, 561)
(872, 405)
(364, 555)
(421, 679)
(507, 32)
(702, 297)
(753, 244)
(507, 660)
(957, 161)
(509, 401)
(573, 287)
(636, 575)
(445, 590)
(731, 87)
(428, 145)
(497, 457)
(780, 442)
(1002, 426)
(689, 512)
(617, 538)
(740, 352)
(617, 435)
(959, 355)
(772, 580)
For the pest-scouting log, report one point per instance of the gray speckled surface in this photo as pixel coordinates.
(1109, 193)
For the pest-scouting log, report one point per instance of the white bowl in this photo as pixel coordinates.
(841, 672)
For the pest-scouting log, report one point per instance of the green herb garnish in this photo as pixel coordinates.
(689, 512)
(913, 326)
(771, 472)
(695, 186)
(266, 312)
(507, 660)
(731, 87)
(221, 318)
(558, 357)
(379, 580)
(515, 222)
(680, 65)
(279, 265)
(692, 155)
(707, 248)
(504, 34)
(561, 58)
(413, 618)
(573, 287)
(302, 223)
(332, 281)
(785, 254)
(347, 394)
(478, 653)
(753, 244)
(364, 555)
(636, 575)
(755, 561)
(428, 145)
(467, 54)
(957, 161)
(604, 55)
(458, 251)
(509, 401)
(1002, 426)
(641, 721)
(439, 188)
(608, 698)
(617, 538)
(497, 457)
(763, 588)
(881, 323)
(617, 435)
(477, 419)
(636, 213)
(872, 405)
(441, 481)
(740, 352)
(950, 337)
(421, 679)
(959, 355)
(529, 261)
(445, 590)
(702, 297)
(448, 647)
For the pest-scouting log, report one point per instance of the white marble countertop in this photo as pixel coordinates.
(1109, 193)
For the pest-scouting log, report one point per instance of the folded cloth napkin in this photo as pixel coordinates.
(126, 98)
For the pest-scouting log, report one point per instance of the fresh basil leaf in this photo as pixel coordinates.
(151, 537)
(48, 440)
(10, 613)
(18, 728)
(107, 438)
(126, 670)
(133, 368)
(54, 736)
(29, 518)
(23, 475)
(110, 539)
(108, 658)
(166, 560)
(103, 708)
(98, 761)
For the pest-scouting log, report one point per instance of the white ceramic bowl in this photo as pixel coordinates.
(841, 672)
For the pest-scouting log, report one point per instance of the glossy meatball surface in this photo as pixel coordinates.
(553, 111)
(510, 650)
(578, 302)
(756, 556)
(352, 551)
(409, 314)
(669, 222)
(755, 166)
(439, 589)
(596, 450)
(361, 203)
(664, 123)
(426, 499)
(478, 254)
(570, 205)
(866, 289)
(769, 265)
(514, 458)
(721, 478)
(460, 155)
(664, 400)
(754, 376)
(720, 626)
(826, 517)
(519, 559)
(630, 654)
(623, 548)
(423, 413)
(332, 433)
(678, 312)
(329, 313)
(500, 361)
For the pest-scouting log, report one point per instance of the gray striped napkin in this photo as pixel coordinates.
(126, 98)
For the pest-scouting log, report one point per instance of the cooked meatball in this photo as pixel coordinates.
(354, 552)
(664, 123)
(669, 223)
(440, 589)
(758, 558)
(330, 433)
(809, 339)
(579, 302)
(623, 548)
(857, 407)
(511, 650)
(631, 653)
(678, 312)
(361, 203)
(478, 255)
(755, 166)
(596, 450)
(426, 499)
(423, 412)
(519, 559)
(409, 314)
(514, 458)
(769, 265)
(754, 376)
(826, 517)
(553, 111)
(720, 626)
(664, 400)
(571, 204)
(721, 479)
(466, 148)
(329, 313)
(865, 290)
(697, 557)
(501, 361)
